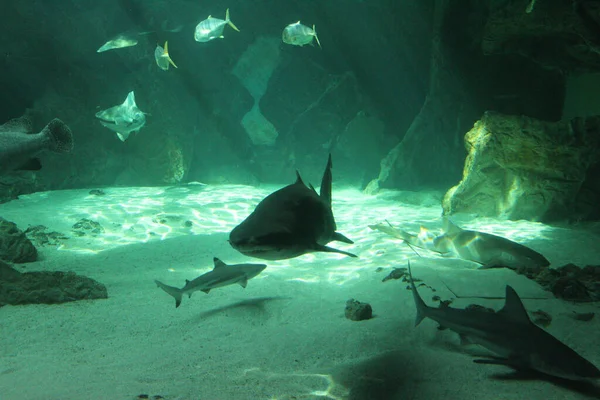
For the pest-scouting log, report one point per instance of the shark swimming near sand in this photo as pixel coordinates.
(510, 334)
(290, 222)
(19, 147)
(221, 275)
(489, 250)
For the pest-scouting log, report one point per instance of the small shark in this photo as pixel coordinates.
(19, 147)
(120, 41)
(509, 333)
(123, 119)
(489, 250)
(221, 275)
(290, 222)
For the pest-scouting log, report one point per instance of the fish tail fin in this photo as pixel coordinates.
(419, 303)
(228, 20)
(316, 37)
(166, 54)
(59, 135)
(171, 290)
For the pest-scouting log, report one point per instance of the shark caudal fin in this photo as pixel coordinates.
(419, 303)
(229, 21)
(59, 135)
(171, 290)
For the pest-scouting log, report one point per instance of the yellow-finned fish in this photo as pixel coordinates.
(298, 35)
(161, 55)
(212, 28)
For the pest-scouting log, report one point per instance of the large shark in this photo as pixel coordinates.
(123, 119)
(292, 221)
(19, 147)
(221, 275)
(510, 334)
(489, 250)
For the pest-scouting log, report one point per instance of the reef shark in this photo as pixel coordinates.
(221, 275)
(19, 147)
(484, 248)
(123, 119)
(510, 334)
(290, 222)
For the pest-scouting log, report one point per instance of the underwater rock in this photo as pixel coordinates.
(522, 168)
(41, 237)
(357, 311)
(571, 282)
(87, 226)
(46, 287)
(14, 244)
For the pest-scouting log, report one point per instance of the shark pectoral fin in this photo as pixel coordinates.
(341, 238)
(493, 361)
(449, 226)
(243, 282)
(206, 290)
(122, 136)
(327, 249)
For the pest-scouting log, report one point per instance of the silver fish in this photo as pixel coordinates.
(299, 35)
(19, 147)
(212, 28)
(123, 119)
(510, 334)
(161, 55)
(221, 275)
(120, 41)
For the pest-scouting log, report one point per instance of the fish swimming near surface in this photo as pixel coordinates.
(221, 275)
(120, 41)
(298, 35)
(484, 248)
(510, 334)
(123, 119)
(161, 55)
(19, 147)
(290, 222)
(212, 28)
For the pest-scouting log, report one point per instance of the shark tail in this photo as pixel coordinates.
(419, 303)
(171, 290)
(231, 24)
(59, 136)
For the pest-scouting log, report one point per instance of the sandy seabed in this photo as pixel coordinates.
(284, 336)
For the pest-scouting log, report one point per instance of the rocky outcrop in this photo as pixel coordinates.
(523, 168)
(14, 244)
(46, 287)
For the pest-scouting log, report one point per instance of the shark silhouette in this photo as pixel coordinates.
(290, 222)
(221, 275)
(484, 248)
(510, 334)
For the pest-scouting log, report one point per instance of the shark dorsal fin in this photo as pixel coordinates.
(449, 226)
(130, 100)
(513, 307)
(312, 187)
(218, 263)
(325, 189)
(298, 178)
